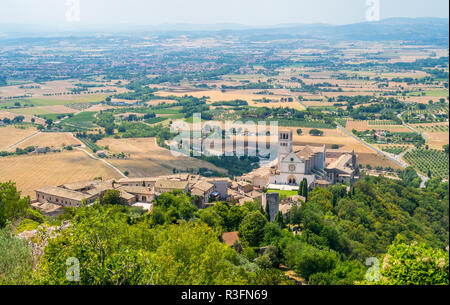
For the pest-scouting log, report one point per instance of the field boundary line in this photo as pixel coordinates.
(23, 141)
(104, 161)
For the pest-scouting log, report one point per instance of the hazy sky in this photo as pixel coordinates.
(249, 12)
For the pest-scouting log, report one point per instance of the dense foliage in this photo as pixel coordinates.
(413, 264)
(326, 240)
(113, 249)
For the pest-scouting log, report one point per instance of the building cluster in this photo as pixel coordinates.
(133, 191)
(315, 164)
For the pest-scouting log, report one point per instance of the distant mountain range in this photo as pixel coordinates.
(433, 30)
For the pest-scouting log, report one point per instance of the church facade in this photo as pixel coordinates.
(311, 163)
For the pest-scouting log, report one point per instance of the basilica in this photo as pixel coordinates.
(312, 163)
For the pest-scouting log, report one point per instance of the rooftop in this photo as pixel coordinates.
(80, 185)
(65, 193)
(47, 207)
(136, 190)
(340, 163)
(230, 238)
(308, 151)
(203, 186)
(171, 184)
(138, 180)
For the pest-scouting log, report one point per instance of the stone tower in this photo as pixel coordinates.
(285, 139)
(273, 200)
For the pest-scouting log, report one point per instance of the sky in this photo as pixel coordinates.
(246, 12)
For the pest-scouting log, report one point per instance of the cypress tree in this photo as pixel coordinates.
(267, 211)
(305, 187)
(300, 189)
(279, 219)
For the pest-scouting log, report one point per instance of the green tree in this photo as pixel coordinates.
(414, 264)
(307, 260)
(16, 261)
(112, 197)
(113, 251)
(251, 229)
(12, 207)
(279, 219)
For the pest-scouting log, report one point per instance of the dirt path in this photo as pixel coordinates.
(22, 141)
(99, 159)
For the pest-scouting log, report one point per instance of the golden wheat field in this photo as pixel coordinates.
(230, 95)
(34, 171)
(10, 135)
(437, 134)
(52, 140)
(148, 159)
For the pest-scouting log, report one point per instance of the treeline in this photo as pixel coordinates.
(234, 103)
(258, 86)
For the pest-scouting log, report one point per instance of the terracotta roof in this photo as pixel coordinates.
(262, 172)
(101, 187)
(197, 192)
(254, 194)
(126, 196)
(306, 152)
(228, 180)
(339, 164)
(182, 177)
(171, 184)
(80, 185)
(243, 183)
(203, 186)
(47, 207)
(137, 180)
(245, 199)
(230, 238)
(136, 190)
(64, 193)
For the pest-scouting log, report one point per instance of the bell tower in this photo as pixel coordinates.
(284, 143)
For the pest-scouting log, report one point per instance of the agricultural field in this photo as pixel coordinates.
(437, 134)
(30, 111)
(34, 171)
(27, 118)
(52, 101)
(49, 105)
(432, 93)
(246, 95)
(52, 140)
(58, 88)
(83, 120)
(429, 114)
(376, 125)
(432, 128)
(394, 149)
(10, 135)
(434, 161)
(148, 159)
(437, 139)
